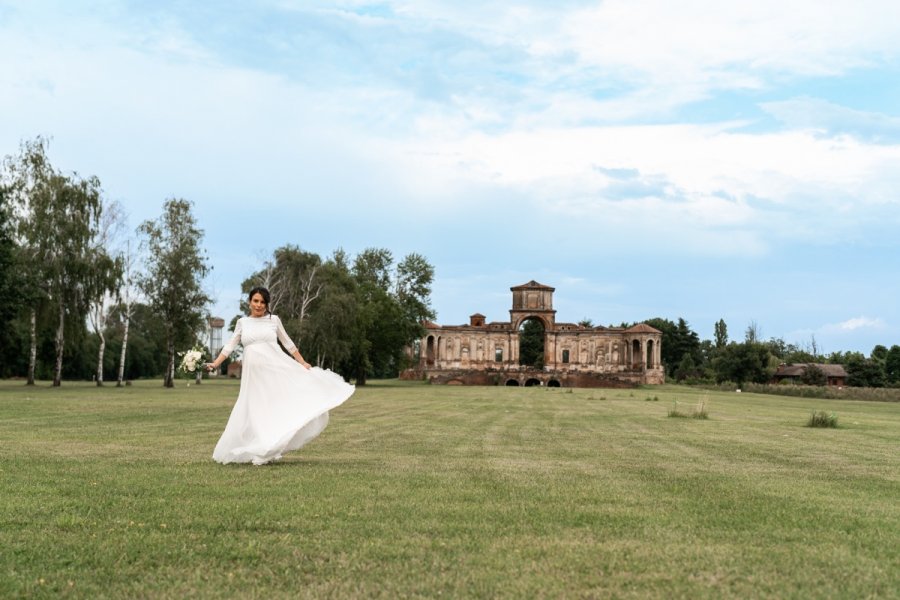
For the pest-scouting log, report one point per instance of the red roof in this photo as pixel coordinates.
(642, 328)
(532, 285)
(799, 369)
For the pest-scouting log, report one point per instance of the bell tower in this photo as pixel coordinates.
(533, 300)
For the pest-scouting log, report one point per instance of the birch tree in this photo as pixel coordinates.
(8, 279)
(126, 303)
(22, 177)
(106, 276)
(60, 216)
(293, 278)
(175, 268)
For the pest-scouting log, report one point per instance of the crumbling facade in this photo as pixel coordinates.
(483, 353)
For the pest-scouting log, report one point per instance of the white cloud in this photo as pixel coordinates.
(730, 45)
(708, 189)
(854, 324)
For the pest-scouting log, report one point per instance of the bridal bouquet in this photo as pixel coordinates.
(192, 359)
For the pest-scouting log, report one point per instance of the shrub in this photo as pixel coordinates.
(700, 410)
(820, 418)
(674, 412)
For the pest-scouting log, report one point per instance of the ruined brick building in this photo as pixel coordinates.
(487, 353)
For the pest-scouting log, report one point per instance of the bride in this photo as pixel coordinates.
(282, 403)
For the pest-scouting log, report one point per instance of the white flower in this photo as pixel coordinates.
(191, 360)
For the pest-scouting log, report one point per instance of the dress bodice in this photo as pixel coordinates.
(259, 330)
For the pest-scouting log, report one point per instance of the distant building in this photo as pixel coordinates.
(834, 374)
(216, 329)
(487, 353)
(215, 344)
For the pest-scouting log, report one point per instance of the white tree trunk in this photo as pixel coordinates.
(60, 342)
(32, 353)
(124, 346)
(98, 316)
(100, 359)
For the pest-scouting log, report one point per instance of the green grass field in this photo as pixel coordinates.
(419, 491)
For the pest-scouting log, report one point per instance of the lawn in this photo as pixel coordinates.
(418, 491)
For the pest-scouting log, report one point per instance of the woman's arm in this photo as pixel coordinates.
(228, 348)
(299, 359)
(286, 341)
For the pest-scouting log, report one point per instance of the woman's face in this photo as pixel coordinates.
(257, 305)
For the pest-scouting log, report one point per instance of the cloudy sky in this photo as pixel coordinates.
(647, 158)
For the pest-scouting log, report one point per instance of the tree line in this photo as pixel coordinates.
(79, 300)
(355, 315)
(689, 359)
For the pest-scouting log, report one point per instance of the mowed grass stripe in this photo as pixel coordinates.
(426, 491)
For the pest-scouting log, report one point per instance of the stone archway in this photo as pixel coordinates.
(532, 342)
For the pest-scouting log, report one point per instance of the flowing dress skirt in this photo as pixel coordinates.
(281, 406)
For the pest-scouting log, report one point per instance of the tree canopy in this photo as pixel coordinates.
(176, 265)
(356, 316)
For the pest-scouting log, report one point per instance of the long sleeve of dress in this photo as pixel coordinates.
(283, 336)
(228, 348)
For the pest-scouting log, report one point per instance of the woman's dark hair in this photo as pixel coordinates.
(262, 292)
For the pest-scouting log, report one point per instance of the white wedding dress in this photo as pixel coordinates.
(281, 405)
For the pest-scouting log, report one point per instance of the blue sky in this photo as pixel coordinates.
(647, 158)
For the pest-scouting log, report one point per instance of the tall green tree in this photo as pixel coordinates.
(23, 177)
(879, 353)
(531, 344)
(355, 315)
(678, 339)
(294, 280)
(60, 218)
(721, 334)
(392, 303)
(892, 365)
(176, 265)
(412, 289)
(8, 278)
(864, 372)
(379, 335)
(330, 333)
(744, 362)
(105, 279)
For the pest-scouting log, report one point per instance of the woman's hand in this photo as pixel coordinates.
(210, 367)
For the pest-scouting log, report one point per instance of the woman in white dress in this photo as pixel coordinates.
(283, 403)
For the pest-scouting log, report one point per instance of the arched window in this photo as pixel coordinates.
(565, 356)
(429, 351)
